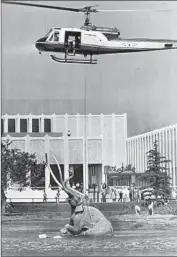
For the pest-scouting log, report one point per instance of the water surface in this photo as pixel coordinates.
(20, 238)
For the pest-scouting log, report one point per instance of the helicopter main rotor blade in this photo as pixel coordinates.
(134, 10)
(44, 6)
(86, 9)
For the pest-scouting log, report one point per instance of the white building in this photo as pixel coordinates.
(85, 143)
(88, 144)
(137, 146)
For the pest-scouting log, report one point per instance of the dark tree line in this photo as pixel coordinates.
(17, 166)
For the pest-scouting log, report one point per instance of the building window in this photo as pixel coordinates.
(47, 125)
(11, 125)
(35, 125)
(2, 126)
(23, 125)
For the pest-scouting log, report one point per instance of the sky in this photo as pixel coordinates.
(143, 85)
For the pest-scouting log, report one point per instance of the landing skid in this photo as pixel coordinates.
(79, 61)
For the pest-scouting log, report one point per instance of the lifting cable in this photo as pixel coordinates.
(85, 125)
(85, 129)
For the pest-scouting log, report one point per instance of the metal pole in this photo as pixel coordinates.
(32, 205)
(85, 136)
(94, 192)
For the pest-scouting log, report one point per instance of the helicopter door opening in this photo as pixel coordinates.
(72, 40)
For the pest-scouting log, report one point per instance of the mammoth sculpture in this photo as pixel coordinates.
(85, 220)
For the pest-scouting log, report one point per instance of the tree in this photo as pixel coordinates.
(5, 160)
(18, 166)
(156, 174)
(38, 174)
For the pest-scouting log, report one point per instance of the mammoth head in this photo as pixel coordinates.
(75, 198)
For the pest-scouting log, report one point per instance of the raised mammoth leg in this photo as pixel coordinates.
(99, 229)
(73, 230)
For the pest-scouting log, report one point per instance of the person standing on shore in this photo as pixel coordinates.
(45, 197)
(58, 195)
(120, 196)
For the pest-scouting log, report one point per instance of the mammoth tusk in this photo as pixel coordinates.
(58, 183)
(67, 189)
(59, 169)
(60, 174)
(67, 179)
(70, 189)
(47, 167)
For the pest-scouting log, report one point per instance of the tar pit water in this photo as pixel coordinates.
(21, 238)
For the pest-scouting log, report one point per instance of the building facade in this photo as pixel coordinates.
(84, 143)
(138, 146)
(88, 144)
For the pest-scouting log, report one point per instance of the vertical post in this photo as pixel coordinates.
(135, 142)
(166, 150)
(27, 143)
(28, 178)
(66, 149)
(89, 125)
(113, 139)
(125, 135)
(78, 121)
(6, 123)
(173, 156)
(47, 178)
(160, 141)
(176, 156)
(94, 193)
(131, 150)
(149, 142)
(30, 123)
(86, 167)
(28, 149)
(53, 127)
(102, 136)
(42, 123)
(148, 148)
(127, 151)
(170, 154)
(152, 140)
(47, 157)
(145, 151)
(137, 156)
(17, 123)
(47, 174)
(142, 154)
(127, 145)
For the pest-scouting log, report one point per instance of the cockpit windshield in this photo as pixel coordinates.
(54, 36)
(48, 33)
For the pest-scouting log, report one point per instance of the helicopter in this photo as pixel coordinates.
(91, 40)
